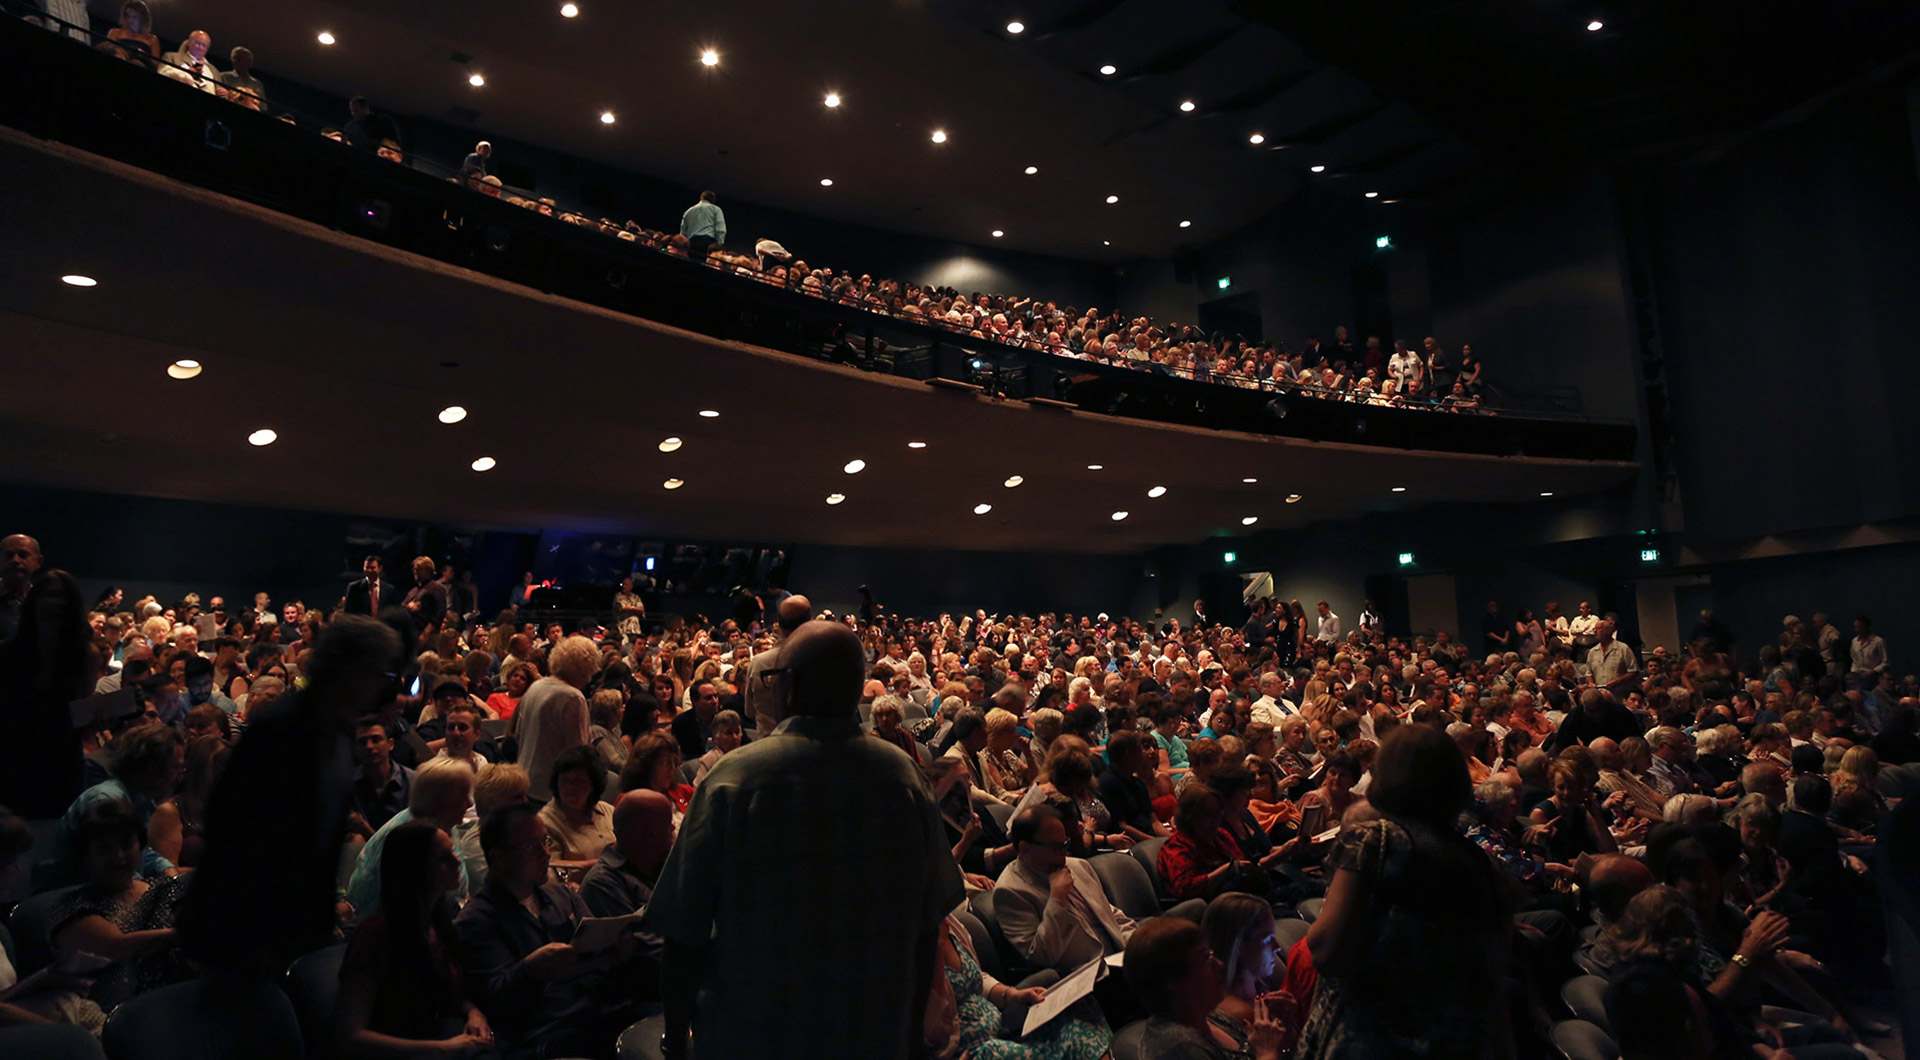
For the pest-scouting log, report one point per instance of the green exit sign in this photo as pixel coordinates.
(1225, 282)
(1406, 559)
(1383, 242)
(1649, 555)
(1230, 556)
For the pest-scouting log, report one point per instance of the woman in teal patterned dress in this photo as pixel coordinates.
(964, 1018)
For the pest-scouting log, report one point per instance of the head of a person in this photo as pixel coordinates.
(728, 731)
(1757, 821)
(135, 17)
(706, 196)
(643, 828)
(577, 779)
(1239, 931)
(653, 764)
(514, 840)
(1419, 774)
(1172, 969)
(821, 669)
(1039, 838)
(1199, 811)
(575, 660)
(108, 839)
(462, 728)
(197, 44)
(1613, 880)
(1656, 927)
(150, 759)
(357, 106)
(442, 792)
(1341, 772)
(352, 669)
(417, 866)
(242, 59)
(706, 700)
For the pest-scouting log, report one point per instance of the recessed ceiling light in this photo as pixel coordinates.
(1546, 493)
(183, 369)
(263, 436)
(1316, 169)
(854, 467)
(836, 498)
(826, 182)
(709, 58)
(998, 232)
(476, 80)
(606, 117)
(1016, 28)
(452, 414)
(485, 463)
(1186, 224)
(1596, 26)
(1096, 467)
(1373, 195)
(1106, 242)
(1249, 520)
(939, 136)
(674, 483)
(325, 37)
(832, 100)
(1249, 481)
(1031, 170)
(709, 414)
(569, 10)
(668, 445)
(1293, 498)
(1012, 481)
(1399, 489)
(1111, 199)
(916, 445)
(76, 280)
(1257, 138)
(1108, 70)
(982, 509)
(1117, 516)
(1157, 492)
(1186, 106)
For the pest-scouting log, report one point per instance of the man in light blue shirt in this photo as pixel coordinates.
(704, 226)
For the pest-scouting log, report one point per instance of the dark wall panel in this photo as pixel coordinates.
(924, 582)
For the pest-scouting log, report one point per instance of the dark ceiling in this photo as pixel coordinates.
(348, 350)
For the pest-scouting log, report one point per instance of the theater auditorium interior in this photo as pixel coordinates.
(1007, 529)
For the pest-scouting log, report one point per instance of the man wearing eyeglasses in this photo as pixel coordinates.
(809, 881)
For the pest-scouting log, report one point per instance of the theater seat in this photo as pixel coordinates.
(1012, 963)
(1586, 997)
(689, 770)
(984, 950)
(1585, 960)
(313, 985)
(1147, 853)
(1310, 909)
(56, 1042)
(204, 1020)
(1129, 1042)
(1127, 884)
(642, 1040)
(1289, 931)
(1580, 1040)
(1002, 813)
(32, 926)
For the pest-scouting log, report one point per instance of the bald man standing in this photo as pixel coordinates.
(810, 880)
(763, 701)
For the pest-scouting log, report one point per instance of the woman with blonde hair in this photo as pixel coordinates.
(1001, 763)
(1857, 802)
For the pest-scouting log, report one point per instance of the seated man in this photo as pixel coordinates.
(511, 941)
(621, 882)
(442, 791)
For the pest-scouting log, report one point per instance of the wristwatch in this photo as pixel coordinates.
(1742, 960)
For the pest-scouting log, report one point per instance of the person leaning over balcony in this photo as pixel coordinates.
(704, 225)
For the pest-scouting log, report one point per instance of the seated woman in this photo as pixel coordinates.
(1067, 786)
(964, 1018)
(579, 825)
(175, 826)
(400, 993)
(515, 679)
(115, 913)
(1760, 881)
(1857, 802)
(1323, 808)
(1239, 930)
(655, 764)
(1574, 814)
(728, 731)
(1177, 978)
(606, 711)
(1002, 763)
(1201, 859)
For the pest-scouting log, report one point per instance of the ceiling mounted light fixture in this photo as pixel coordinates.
(476, 80)
(1016, 28)
(668, 445)
(1186, 224)
(263, 436)
(1373, 195)
(709, 58)
(1596, 26)
(1249, 481)
(452, 414)
(569, 10)
(1249, 520)
(854, 467)
(1186, 106)
(1108, 70)
(1031, 170)
(916, 445)
(485, 463)
(77, 280)
(1111, 199)
(1157, 492)
(998, 232)
(709, 414)
(982, 509)
(836, 498)
(1012, 481)
(939, 136)
(1399, 489)
(833, 99)
(1546, 493)
(1096, 467)
(674, 483)
(1293, 498)
(1117, 516)
(183, 369)
(826, 182)
(325, 38)
(1257, 139)
(606, 117)
(1316, 169)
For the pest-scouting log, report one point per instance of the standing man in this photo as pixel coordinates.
(1869, 653)
(704, 225)
(368, 595)
(1495, 635)
(1329, 625)
(19, 562)
(1371, 625)
(768, 943)
(1610, 663)
(242, 87)
(762, 701)
(475, 166)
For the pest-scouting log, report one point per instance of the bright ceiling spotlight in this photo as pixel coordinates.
(668, 445)
(1316, 169)
(1399, 489)
(76, 280)
(1249, 481)
(709, 58)
(1016, 28)
(1117, 516)
(982, 509)
(569, 10)
(833, 99)
(606, 117)
(674, 483)
(1249, 520)
(1596, 26)
(1096, 467)
(1257, 139)
(998, 232)
(183, 369)
(1157, 492)
(1012, 481)
(1108, 70)
(854, 467)
(485, 463)
(939, 136)
(476, 80)
(1186, 224)
(1293, 498)
(1111, 199)
(1031, 170)
(826, 182)
(1186, 106)
(1546, 493)
(916, 445)
(452, 414)
(836, 498)
(1373, 195)
(1106, 242)
(709, 414)
(325, 37)
(263, 436)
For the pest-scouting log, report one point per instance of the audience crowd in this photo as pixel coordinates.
(1341, 369)
(525, 840)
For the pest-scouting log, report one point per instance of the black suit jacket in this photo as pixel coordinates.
(360, 597)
